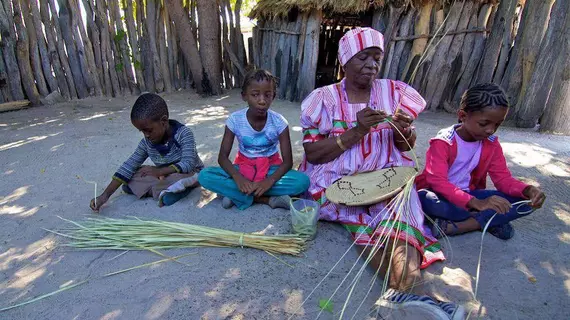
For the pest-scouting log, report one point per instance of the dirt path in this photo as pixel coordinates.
(44, 150)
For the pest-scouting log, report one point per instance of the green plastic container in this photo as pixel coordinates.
(304, 217)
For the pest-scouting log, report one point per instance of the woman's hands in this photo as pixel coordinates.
(367, 118)
(403, 123)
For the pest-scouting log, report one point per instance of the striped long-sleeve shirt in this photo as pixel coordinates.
(179, 152)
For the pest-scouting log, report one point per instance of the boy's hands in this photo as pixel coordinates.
(535, 195)
(262, 186)
(151, 171)
(98, 202)
(495, 203)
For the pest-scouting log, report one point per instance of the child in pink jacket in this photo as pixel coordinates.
(453, 183)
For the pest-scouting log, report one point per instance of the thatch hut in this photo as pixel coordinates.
(441, 47)
(298, 42)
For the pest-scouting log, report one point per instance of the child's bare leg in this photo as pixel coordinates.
(405, 274)
(262, 200)
(454, 228)
(274, 202)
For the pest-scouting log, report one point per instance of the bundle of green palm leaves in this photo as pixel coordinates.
(153, 235)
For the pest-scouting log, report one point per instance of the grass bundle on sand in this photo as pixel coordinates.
(136, 234)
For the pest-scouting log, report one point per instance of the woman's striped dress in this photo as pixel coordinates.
(327, 113)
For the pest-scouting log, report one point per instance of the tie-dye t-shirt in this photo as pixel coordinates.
(256, 144)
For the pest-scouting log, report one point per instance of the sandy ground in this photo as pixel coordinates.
(44, 150)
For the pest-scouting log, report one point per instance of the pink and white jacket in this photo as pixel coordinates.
(441, 154)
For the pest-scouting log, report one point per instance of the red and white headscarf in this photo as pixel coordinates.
(357, 40)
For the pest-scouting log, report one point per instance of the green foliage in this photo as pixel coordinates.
(137, 64)
(326, 305)
(121, 34)
(119, 66)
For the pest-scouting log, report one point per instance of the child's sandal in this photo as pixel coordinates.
(439, 228)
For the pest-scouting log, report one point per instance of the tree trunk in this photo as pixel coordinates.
(66, 33)
(133, 39)
(468, 75)
(193, 20)
(150, 29)
(391, 30)
(306, 82)
(125, 55)
(210, 49)
(163, 54)
(88, 69)
(439, 67)
(286, 65)
(227, 67)
(5, 94)
(177, 78)
(85, 49)
(549, 68)
(256, 37)
(44, 56)
(109, 71)
(378, 21)
(35, 59)
(23, 55)
(9, 52)
(116, 50)
(419, 45)
(425, 62)
(519, 71)
(239, 36)
(502, 24)
(146, 60)
(406, 25)
(293, 68)
(100, 55)
(556, 117)
(187, 43)
(94, 42)
(507, 42)
(120, 49)
(170, 43)
(453, 61)
(53, 54)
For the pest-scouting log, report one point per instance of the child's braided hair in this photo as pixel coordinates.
(258, 75)
(149, 106)
(483, 95)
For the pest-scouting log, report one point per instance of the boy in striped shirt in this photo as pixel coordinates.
(171, 147)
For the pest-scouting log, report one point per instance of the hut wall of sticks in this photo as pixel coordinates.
(440, 47)
(81, 48)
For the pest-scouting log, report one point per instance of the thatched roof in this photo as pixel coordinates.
(274, 8)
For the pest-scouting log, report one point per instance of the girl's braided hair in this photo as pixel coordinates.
(483, 95)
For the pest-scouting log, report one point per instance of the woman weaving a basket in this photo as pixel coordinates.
(346, 133)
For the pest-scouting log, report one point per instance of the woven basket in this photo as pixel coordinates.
(369, 187)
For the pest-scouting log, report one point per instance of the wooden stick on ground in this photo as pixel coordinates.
(14, 105)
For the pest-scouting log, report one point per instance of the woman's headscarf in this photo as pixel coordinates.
(357, 40)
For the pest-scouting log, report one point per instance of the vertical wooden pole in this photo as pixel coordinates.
(310, 54)
(23, 55)
(9, 50)
(59, 64)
